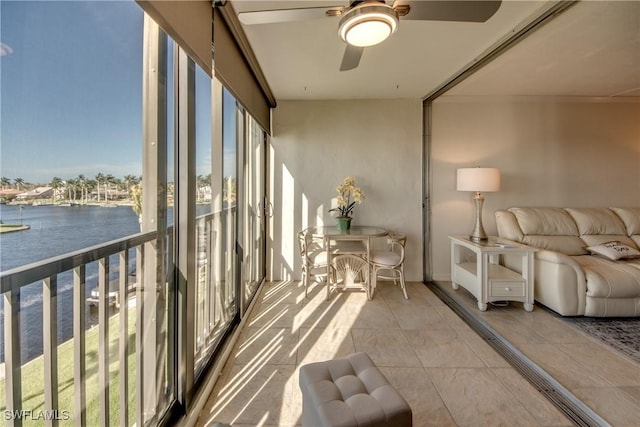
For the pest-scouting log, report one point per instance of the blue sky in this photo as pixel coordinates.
(70, 104)
(71, 90)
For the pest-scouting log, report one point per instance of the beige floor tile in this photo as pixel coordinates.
(373, 314)
(476, 397)
(416, 314)
(442, 348)
(386, 347)
(320, 344)
(633, 393)
(274, 316)
(416, 388)
(320, 314)
(287, 292)
(537, 405)
(611, 404)
(257, 394)
(563, 367)
(484, 351)
(517, 332)
(615, 368)
(266, 345)
(451, 318)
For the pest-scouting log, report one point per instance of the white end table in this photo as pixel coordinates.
(485, 278)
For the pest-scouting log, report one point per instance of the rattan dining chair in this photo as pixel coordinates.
(389, 261)
(314, 258)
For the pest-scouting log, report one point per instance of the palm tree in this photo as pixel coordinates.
(72, 188)
(82, 182)
(99, 179)
(5, 182)
(19, 182)
(55, 183)
(108, 180)
(130, 180)
(91, 185)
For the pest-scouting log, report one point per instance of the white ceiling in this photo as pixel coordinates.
(592, 49)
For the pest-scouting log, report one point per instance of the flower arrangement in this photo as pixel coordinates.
(348, 196)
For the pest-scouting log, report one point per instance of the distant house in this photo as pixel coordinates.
(36, 193)
(9, 194)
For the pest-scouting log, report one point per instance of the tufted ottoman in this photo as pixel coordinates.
(350, 392)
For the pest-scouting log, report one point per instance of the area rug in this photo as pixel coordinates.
(623, 334)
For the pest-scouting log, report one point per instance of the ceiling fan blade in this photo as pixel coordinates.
(284, 15)
(438, 10)
(351, 57)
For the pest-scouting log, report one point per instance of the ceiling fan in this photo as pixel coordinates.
(365, 23)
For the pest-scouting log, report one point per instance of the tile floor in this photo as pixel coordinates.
(605, 380)
(449, 376)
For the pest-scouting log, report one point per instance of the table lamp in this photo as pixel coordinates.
(478, 180)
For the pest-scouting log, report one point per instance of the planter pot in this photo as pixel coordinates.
(344, 223)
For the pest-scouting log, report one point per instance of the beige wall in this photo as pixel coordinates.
(315, 144)
(551, 152)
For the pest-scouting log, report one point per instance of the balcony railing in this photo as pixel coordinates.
(11, 284)
(106, 378)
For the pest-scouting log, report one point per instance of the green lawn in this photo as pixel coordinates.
(33, 374)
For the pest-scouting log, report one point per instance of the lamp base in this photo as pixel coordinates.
(478, 239)
(478, 235)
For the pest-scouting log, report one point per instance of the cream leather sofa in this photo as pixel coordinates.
(569, 278)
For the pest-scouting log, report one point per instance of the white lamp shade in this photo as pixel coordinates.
(478, 179)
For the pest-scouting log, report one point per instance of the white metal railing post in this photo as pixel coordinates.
(79, 361)
(50, 346)
(123, 342)
(103, 340)
(13, 382)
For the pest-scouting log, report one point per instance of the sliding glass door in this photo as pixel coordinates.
(254, 211)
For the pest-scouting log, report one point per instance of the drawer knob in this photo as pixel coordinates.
(507, 289)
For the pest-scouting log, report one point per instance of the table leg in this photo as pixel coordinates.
(326, 246)
(368, 286)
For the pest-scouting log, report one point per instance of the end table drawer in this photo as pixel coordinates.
(506, 289)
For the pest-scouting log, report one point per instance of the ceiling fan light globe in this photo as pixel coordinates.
(368, 25)
(368, 33)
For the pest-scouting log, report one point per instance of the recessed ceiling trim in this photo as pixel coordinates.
(535, 23)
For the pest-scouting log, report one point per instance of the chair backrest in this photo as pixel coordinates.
(302, 242)
(398, 242)
(307, 244)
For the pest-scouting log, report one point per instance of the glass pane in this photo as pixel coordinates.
(204, 218)
(230, 136)
(72, 160)
(254, 242)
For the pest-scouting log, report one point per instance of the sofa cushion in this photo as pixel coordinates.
(600, 239)
(545, 221)
(600, 225)
(614, 250)
(631, 219)
(610, 279)
(549, 228)
(597, 221)
(569, 245)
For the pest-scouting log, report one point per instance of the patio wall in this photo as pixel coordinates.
(315, 144)
(551, 152)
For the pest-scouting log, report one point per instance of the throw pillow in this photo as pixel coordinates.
(614, 250)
